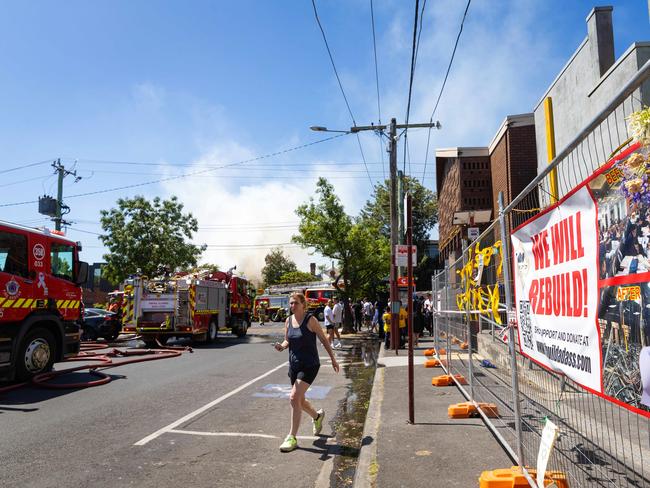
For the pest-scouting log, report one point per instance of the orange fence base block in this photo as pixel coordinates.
(429, 352)
(467, 410)
(461, 379)
(514, 478)
(442, 351)
(455, 340)
(464, 345)
(448, 380)
(434, 363)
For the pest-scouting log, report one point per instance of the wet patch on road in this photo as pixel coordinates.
(360, 353)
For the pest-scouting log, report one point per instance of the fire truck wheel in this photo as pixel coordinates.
(213, 331)
(240, 329)
(36, 354)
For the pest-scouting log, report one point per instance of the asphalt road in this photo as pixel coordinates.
(215, 417)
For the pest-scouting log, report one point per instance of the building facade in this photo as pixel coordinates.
(587, 83)
(464, 184)
(470, 179)
(513, 161)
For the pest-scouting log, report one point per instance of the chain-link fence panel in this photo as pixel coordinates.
(603, 435)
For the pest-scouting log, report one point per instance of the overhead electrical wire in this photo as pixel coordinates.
(374, 47)
(444, 82)
(25, 166)
(411, 76)
(185, 175)
(198, 165)
(329, 52)
(24, 181)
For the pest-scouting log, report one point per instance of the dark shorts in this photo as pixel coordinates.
(306, 374)
(329, 326)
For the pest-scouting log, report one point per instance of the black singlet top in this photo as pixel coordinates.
(303, 352)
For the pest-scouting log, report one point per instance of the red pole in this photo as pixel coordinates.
(409, 281)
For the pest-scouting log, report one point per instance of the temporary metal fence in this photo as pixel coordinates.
(600, 443)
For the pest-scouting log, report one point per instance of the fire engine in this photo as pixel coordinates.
(40, 299)
(317, 294)
(185, 306)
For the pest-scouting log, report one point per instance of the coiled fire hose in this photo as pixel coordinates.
(103, 360)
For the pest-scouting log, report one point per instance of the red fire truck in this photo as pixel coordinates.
(40, 299)
(185, 306)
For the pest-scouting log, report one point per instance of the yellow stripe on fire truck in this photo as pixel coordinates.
(192, 301)
(34, 303)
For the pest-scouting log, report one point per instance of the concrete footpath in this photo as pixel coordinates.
(436, 451)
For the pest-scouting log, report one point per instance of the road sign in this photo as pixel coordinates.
(403, 281)
(473, 233)
(401, 255)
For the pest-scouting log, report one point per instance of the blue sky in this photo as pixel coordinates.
(189, 86)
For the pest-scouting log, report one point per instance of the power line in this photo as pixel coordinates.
(329, 52)
(24, 181)
(251, 246)
(374, 46)
(172, 164)
(408, 104)
(444, 82)
(453, 53)
(171, 178)
(273, 173)
(24, 166)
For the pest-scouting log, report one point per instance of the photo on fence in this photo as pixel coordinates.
(624, 319)
(623, 200)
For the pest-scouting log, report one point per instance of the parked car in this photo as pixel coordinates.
(100, 323)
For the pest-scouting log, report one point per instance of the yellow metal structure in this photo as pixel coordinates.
(550, 146)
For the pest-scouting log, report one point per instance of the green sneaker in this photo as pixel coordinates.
(317, 423)
(289, 444)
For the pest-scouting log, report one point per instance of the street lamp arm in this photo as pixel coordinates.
(320, 128)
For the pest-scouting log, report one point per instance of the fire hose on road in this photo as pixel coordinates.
(103, 361)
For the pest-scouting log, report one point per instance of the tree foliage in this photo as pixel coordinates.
(147, 235)
(360, 249)
(276, 264)
(424, 204)
(296, 277)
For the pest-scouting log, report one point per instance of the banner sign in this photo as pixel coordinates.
(556, 288)
(581, 273)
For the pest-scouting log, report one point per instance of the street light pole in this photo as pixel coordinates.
(394, 205)
(394, 303)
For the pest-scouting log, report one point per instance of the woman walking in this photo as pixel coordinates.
(300, 332)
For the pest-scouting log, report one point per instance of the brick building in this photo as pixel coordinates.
(470, 178)
(513, 160)
(464, 183)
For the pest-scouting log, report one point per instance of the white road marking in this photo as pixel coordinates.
(222, 434)
(199, 411)
(239, 434)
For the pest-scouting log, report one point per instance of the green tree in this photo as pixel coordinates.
(376, 212)
(424, 205)
(360, 249)
(147, 235)
(296, 277)
(276, 264)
